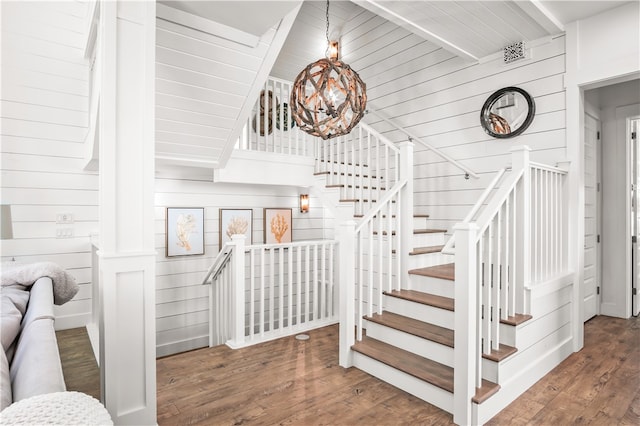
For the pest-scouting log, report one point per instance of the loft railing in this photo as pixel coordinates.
(271, 127)
(266, 291)
(517, 240)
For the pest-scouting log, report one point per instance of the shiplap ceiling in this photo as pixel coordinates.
(470, 29)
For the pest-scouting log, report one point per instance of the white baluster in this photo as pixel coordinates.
(290, 287)
(281, 288)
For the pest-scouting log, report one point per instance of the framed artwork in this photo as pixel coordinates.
(277, 226)
(235, 221)
(185, 231)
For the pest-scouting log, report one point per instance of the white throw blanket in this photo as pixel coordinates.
(64, 284)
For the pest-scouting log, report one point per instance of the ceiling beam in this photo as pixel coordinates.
(407, 23)
(539, 13)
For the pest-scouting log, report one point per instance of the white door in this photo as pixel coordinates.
(592, 258)
(635, 215)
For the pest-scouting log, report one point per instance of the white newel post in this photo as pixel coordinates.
(520, 161)
(237, 292)
(406, 214)
(346, 251)
(127, 241)
(467, 327)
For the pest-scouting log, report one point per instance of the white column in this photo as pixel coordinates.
(467, 327)
(237, 292)
(346, 240)
(406, 214)
(574, 98)
(127, 253)
(520, 161)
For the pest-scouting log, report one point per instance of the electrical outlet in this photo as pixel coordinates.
(64, 218)
(64, 233)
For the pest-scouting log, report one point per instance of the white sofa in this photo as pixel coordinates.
(30, 362)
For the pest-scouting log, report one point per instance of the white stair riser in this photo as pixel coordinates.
(429, 259)
(430, 314)
(431, 285)
(490, 370)
(423, 390)
(410, 343)
(420, 222)
(427, 240)
(508, 335)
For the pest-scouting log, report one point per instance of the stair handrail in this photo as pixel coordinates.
(449, 246)
(218, 263)
(412, 137)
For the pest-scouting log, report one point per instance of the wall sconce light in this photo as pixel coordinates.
(5, 219)
(304, 203)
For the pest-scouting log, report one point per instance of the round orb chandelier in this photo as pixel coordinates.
(328, 98)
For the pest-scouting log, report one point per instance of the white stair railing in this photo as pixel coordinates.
(498, 257)
(380, 243)
(265, 291)
(271, 127)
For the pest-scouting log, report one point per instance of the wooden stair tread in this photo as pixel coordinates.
(342, 185)
(424, 369)
(503, 352)
(487, 390)
(343, 174)
(428, 231)
(445, 272)
(516, 319)
(342, 162)
(423, 298)
(426, 250)
(427, 331)
(356, 200)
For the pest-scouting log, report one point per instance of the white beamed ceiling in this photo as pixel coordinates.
(205, 81)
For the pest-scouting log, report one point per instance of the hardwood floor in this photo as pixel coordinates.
(79, 366)
(288, 381)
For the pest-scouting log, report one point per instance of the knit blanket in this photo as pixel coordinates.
(64, 284)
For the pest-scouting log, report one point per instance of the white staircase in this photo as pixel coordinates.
(405, 317)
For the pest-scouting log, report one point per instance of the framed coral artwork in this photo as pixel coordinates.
(184, 231)
(235, 221)
(277, 226)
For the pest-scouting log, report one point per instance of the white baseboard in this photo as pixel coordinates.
(66, 322)
(182, 346)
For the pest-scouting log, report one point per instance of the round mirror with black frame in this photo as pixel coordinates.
(507, 112)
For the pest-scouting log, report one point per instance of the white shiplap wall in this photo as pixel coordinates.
(44, 105)
(182, 309)
(438, 97)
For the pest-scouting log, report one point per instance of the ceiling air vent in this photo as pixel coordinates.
(513, 52)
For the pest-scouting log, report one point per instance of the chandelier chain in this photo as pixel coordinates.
(327, 29)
